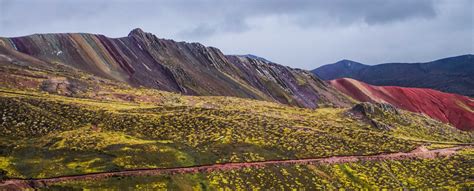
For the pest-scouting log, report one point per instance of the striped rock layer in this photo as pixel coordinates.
(142, 59)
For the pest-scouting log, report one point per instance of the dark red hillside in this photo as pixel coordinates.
(450, 108)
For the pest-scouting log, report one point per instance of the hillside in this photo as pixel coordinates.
(142, 59)
(449, 108)
(72, 122)
(70, 136)
(451, 75)
(68, 118)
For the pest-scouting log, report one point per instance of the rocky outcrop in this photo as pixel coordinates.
(62, 86)
(372, 112)
(377, 109)
(142, 59)
(449, 108)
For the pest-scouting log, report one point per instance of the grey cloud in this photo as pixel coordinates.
(208, 17)
(202, 30)
(231, 25)
(21, 14)
(399, 10)
(299, 33)
(312, 13)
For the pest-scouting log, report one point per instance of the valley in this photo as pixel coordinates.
(97, 118)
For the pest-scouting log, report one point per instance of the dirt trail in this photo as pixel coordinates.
(420, 152)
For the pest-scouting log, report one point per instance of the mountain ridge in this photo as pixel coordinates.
(78, 104)
(339, 68)
(452, 74)
(142, 59)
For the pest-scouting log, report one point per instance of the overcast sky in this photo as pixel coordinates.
(297, 33)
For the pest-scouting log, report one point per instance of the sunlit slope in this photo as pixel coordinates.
(442, 173)
(56, 120)
(75, 135)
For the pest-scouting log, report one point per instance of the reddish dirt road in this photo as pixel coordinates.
(420, 153)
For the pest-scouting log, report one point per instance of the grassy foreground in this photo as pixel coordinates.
(445, 173)
(117, 127)
(45, 135)
(87, 124)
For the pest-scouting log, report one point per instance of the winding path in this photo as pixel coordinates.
(420, 152)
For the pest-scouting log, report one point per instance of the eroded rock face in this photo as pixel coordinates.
(142, 59)
(284, 84)
(378, 109)
(372, 112)
(62, 86)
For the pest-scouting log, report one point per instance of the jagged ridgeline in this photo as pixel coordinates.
(142, 59)
(71, 104)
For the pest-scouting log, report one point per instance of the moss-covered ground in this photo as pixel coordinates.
(106, 126)
(441, 173)
(46, 135)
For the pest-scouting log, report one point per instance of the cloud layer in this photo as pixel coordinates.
(298, 33)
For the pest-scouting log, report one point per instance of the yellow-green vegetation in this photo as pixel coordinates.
(441, 173)
(87, 124)
(434, 146)
(410, 126)
(468, 152)
(45, 135)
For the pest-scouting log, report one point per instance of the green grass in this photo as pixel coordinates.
(110, 126)
(442, 173)
(47, 135)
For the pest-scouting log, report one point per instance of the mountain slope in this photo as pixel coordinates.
(114, 127)
(339, 69)
(74, 136)
(452, 75)
(279, 81)
(142, 59)
(73, 122)
(450, 108)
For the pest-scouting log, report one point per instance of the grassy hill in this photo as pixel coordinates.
(56, 121)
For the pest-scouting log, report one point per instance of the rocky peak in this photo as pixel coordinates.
(142, 59)
(251, 56)
(137, 32)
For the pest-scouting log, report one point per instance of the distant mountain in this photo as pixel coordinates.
(86, 107)
(449, 108)
(339, 69)
(453, 75)
(142, 59)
